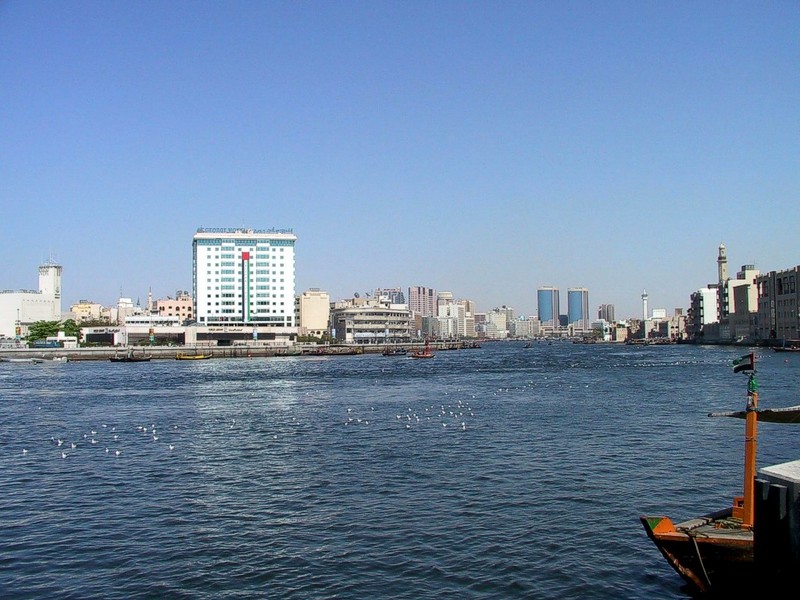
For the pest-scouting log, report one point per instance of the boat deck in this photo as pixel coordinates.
(718, 528)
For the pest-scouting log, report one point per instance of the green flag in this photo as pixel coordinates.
(744, 363)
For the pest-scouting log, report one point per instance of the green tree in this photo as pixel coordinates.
(40, 330)
(71, 328)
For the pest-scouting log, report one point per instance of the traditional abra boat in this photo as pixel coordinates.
(425, 353)
(129, 356)
(715, 553)
(788, 346)
(194, 356)
(394, 351)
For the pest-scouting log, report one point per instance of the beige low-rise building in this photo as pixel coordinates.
(312, 312)
(181, 306)
(86, 310)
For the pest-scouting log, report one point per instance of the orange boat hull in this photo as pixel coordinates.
(713, 553)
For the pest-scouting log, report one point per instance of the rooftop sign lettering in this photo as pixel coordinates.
(240, 230)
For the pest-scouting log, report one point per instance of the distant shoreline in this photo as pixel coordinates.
(296, 350)
(238, 351)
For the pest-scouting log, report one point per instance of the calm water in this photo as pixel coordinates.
(500, 472)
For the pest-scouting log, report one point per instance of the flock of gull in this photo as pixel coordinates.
(453, 415)
(107, 439)
(115, 440)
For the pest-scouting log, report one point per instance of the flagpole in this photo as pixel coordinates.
(744, 506)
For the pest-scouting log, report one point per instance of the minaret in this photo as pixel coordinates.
(644, 305)
(722, 265)
(722, 290)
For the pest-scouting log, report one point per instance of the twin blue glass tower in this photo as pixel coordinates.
(577, 308)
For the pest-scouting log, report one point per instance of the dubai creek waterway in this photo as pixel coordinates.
(497, 472)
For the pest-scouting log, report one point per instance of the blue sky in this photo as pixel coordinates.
(484, 148)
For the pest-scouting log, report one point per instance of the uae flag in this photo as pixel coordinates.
(744, 363)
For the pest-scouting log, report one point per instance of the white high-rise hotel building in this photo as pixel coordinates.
(244, 277)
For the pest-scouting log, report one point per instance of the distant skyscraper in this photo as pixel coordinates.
(422, 301)
(548, 306)
(606, 312)
(578, 308)
(469, 306)
(443, 299)
(509, 312)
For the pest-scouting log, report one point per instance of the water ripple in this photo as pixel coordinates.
(495, 473)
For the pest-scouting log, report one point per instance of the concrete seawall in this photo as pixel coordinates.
(239, 351)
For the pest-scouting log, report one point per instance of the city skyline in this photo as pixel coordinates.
(593, 307)
(481, 149)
